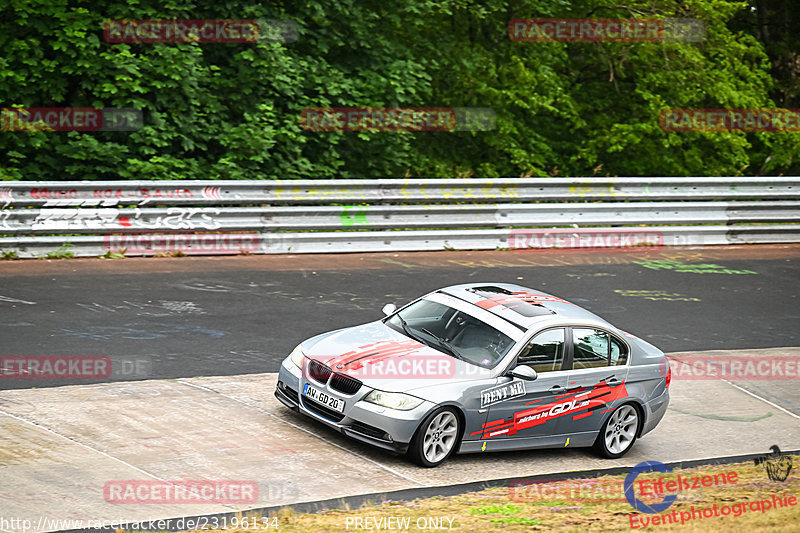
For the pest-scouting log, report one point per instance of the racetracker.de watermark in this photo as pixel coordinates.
(183, 243)
(75, 367)
(138, 491)
(592, 30)
(750, 120)
(55, 367)
(737, 368)
(583, 490)
(394, 362)
(387, 119)
(70, 119)
(201, 31)
(592, 238)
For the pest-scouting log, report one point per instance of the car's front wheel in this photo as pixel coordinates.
(436, 438)
(619, 432)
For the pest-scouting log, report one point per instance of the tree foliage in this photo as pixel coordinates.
(231, 111)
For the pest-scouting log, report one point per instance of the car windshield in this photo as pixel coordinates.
(453, 332)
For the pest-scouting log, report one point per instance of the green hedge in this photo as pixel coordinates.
(231, 111)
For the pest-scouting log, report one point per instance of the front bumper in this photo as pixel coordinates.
(385, 428)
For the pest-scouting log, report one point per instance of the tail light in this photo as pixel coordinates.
(669, 375)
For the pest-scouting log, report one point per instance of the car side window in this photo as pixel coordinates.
(590, 348)
(594, 348)
(545, 351)
(619, 352)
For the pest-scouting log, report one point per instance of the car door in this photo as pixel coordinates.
(597, 378)
(530, 409)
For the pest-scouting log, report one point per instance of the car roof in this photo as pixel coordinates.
(520, 305)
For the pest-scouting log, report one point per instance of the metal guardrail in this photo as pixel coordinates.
(224, 217)
(331, 218)
(234, 192)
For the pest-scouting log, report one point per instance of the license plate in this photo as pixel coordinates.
(325, 399)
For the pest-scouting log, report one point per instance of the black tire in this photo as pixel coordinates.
(619, 432)
(436, 438)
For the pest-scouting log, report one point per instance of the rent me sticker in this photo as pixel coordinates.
(502, 393)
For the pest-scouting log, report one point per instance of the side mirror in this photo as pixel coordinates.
(523, 372)
(388, 309)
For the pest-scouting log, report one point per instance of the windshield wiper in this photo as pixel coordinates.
(444, 343)
(407, 329)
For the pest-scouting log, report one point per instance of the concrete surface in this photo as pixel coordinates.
(59, 446)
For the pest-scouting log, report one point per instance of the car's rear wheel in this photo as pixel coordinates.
(619, 432)
(436, 438)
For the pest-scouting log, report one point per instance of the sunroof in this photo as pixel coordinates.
(526, 303)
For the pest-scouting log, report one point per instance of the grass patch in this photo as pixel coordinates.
(503, 509)
(497, 509)
(62, 252)
(114, 255)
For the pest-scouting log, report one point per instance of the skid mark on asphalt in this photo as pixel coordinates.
(351, 452)
(15, 300)
(722, 417)
(137, 331)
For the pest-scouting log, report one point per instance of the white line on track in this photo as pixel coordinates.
(376, 463)
(104, 454)
(762, 399)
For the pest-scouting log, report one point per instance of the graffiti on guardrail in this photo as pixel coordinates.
(175, 218)
(354, 215)
(450, 192)
(367, 204)
(310, 193)
(6, 196)
(109, 196)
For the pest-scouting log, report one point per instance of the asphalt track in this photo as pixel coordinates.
(232, 320)
(187, 317)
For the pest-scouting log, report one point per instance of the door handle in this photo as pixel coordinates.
(555, 389)
(611, 381)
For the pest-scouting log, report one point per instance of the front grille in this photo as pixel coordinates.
(321, 410)
(318, 371)
(345, 384)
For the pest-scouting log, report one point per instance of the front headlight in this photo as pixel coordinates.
(297, 356)
(393, 400)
